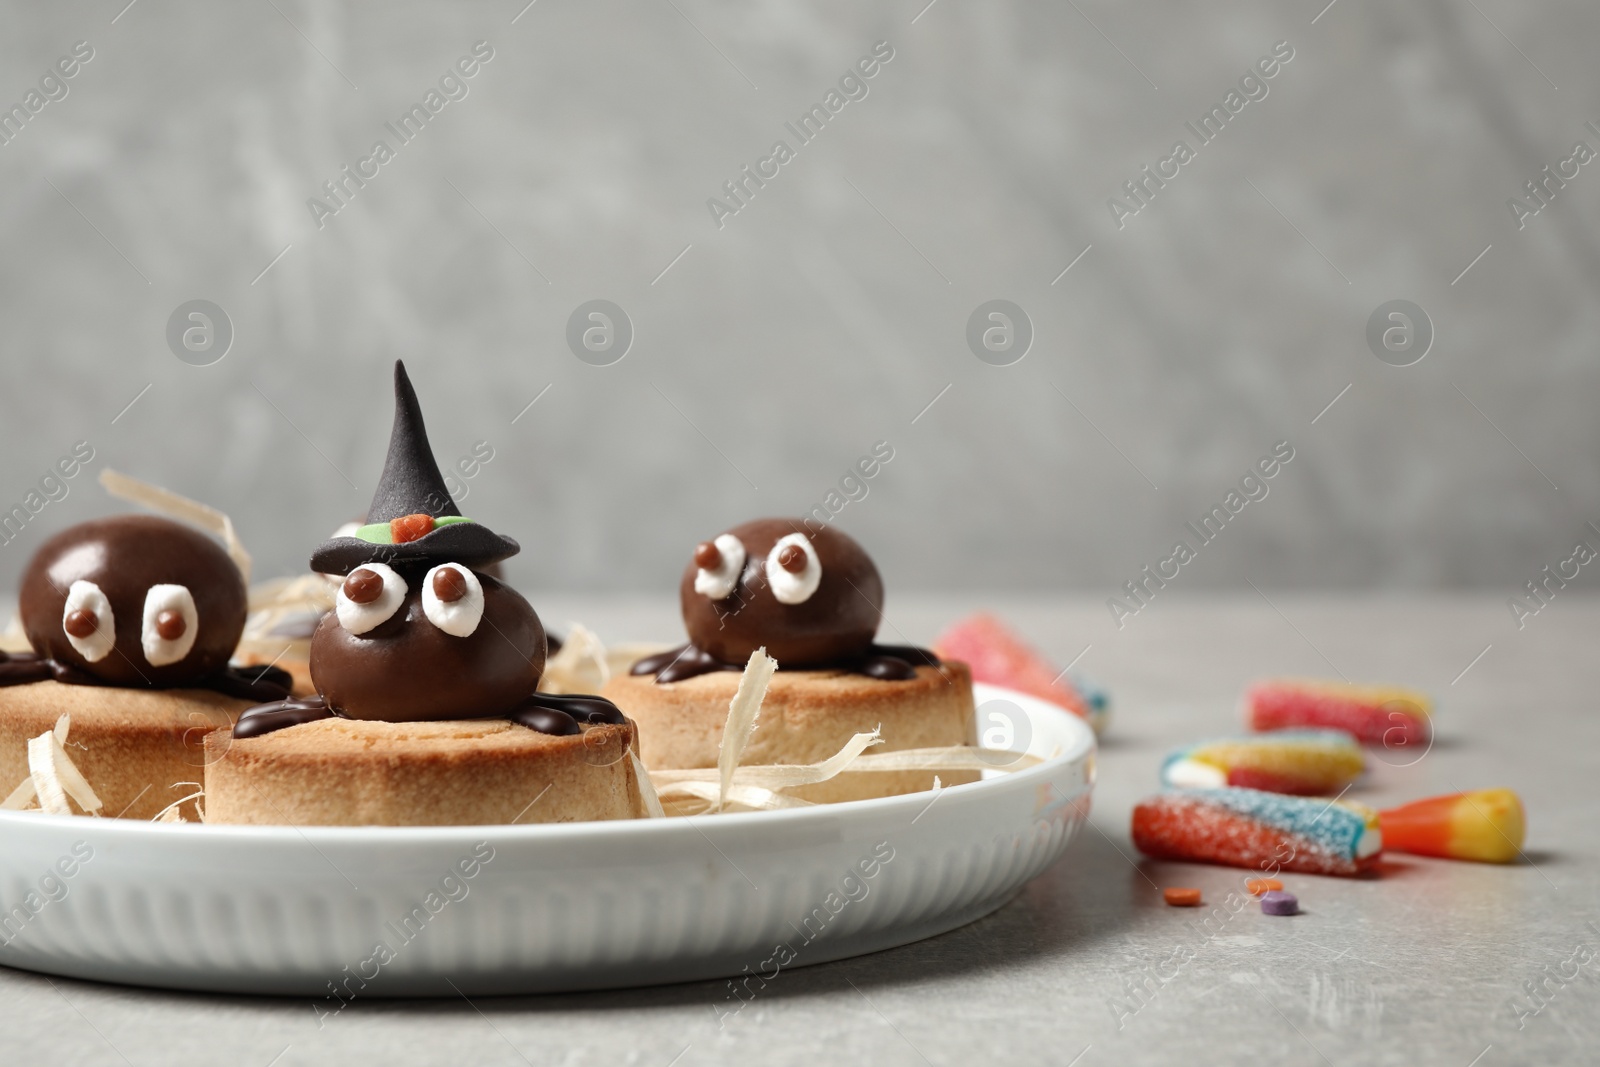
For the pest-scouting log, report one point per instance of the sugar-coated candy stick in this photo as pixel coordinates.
(1258, 830)
(1302, 762)
(1181, 897)
(1487, 825)
(1277, 902)
(1375, 714)
(998, 656)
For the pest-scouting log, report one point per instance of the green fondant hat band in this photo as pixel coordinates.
(383, 533)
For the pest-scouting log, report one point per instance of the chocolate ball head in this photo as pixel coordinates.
(124, 556)
(835, 624)
(406, 669)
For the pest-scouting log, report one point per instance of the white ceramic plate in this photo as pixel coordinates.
(485, 909)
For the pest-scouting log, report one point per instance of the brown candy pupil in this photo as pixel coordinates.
(170, 625)
(449, 585)
(792, 559)
(81, 623)
(363, 586)
(707, 556)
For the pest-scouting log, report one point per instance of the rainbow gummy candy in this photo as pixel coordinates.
(1375, 714)
(998, 656)
(1262, 831)
(1487, 825)
(1302, 762)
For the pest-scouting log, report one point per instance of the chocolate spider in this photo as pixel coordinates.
(813, 599)
(139, 602)
(420, 632)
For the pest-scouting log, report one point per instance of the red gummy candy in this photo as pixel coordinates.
(999, 657)
(1376, 715)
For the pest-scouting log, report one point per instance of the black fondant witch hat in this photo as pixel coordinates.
(412, 518)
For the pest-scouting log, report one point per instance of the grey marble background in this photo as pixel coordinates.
(831, 310)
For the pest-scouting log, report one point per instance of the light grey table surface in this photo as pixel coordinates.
(1430, 964)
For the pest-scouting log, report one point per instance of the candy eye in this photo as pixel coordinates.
(370, 594)
(170, 624)
(720, 561)
(793, 570)
(452, 598)
(88, 621)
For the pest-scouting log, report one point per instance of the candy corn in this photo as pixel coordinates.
(1268, 832)
(1376, 715)
(1486, 825)
(998, 656)
(1303, 762)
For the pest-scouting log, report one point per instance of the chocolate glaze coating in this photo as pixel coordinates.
(834, 625)
(126, 555)
(408, 670)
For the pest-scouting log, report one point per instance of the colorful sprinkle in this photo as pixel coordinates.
(1278, 903)
(1257, 886)
(1181, 897)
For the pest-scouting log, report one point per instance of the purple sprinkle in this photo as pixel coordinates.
(1277, 902)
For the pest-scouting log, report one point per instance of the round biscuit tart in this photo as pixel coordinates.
(139, 748)
(806, 717)
(353, 772)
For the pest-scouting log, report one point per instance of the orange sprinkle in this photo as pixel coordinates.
(1257, 886)
(1182, 898)
(410, 527)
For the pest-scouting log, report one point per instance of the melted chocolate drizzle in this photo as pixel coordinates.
(548, 713)
(889, 663)
(241, 683)
(281, 714)
(584, 708)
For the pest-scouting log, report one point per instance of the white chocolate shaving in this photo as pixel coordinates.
(305, 597)
(72, 780)
(743, 710)
(173, 506)
(720, 580)
(46, 782)
(782, 776)
(709, 798)
(20, 797)
(647, 789)
(170, 812)
(581, 666)
(53, 777)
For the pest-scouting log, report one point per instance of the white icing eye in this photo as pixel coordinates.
(452, 598)
(725, 557)
(793, 570)
(368, 596)
(88, 621)
(170, 624)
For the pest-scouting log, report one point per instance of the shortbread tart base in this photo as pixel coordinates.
(350, 772)
(806, 717)
(139, 749)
